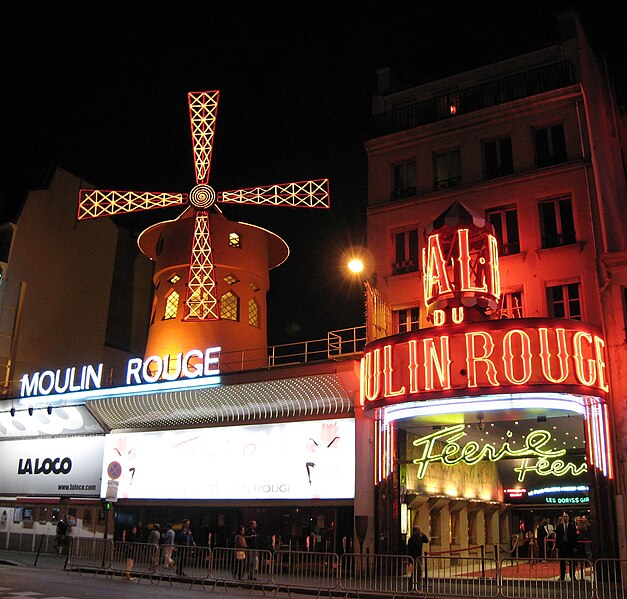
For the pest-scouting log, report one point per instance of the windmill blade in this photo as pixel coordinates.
(305, 194)
(201, 302)
(203, 111)
(93, 203)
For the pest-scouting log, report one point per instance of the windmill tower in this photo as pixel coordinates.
(211, 274)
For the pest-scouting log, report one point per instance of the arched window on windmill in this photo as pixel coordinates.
(171, 305)
(253, 312)
(229, 306)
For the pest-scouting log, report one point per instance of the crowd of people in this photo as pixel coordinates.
(172, 554)
(568, 539)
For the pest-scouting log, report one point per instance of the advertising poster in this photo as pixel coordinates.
(66, 466)
(293, 460)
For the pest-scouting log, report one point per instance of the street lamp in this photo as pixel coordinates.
(355, 265)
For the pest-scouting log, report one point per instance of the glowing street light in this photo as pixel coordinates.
(356, 265)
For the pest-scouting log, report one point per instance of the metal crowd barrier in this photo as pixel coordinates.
(184, 561)
(432, 575)
(610, 578)
(233, 565)
(89, 553)
(459, 576)
(521, 578)
(305, 569)
(377, 573)
(134, 559)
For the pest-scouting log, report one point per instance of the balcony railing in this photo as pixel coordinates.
(492, 93)
(337, 345)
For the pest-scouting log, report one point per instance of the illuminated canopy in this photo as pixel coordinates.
(310, 397)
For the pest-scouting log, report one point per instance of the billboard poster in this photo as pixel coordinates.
(291, 460)
(63, 466)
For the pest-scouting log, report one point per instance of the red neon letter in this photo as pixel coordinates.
(545, 355)
(441, 363)
(580, 362)
(434, 267)
(464, 265)
(472, 359)
(388, 371)
(371, 375)
(599, 347)
(525, 357)
(494, 284)
(413, 367)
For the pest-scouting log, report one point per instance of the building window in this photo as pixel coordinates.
(511, 305)
(505, 223)
(550, 145)
(229, 306)
(253, 286)
(231, 279)
(448, 169)
(556, 219)
(174, 279)
(564, 301)
(234, 240)
(253, 313)
(171, 306)
(406, 320)
(497, 158)
(405, 252)
(404, 180)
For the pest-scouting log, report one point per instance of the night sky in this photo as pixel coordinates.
(100, 90)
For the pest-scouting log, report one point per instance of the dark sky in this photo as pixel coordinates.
(100, 90)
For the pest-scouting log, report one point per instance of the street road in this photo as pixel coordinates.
(18, 582)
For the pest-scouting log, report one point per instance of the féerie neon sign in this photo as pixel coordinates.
(442, 446)
(189, 365)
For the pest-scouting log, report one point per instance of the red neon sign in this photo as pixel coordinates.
(460, 265)
(497, 357)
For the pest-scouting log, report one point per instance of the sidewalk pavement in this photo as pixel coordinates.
(26, 558)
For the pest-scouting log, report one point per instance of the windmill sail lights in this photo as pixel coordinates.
(202, 301)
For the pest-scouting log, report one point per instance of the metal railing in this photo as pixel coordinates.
(437, 575)
(339, 344)
(491, 93)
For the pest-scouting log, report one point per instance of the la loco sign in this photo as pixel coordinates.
(505, 356)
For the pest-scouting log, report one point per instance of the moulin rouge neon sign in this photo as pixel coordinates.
(474, 357)
(189, 365)
(474, 351)
(442, 446)
(463, 270)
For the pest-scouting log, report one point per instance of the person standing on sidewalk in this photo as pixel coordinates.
(154, 538)
(168, 545)
(252, 543)
(129, 537)
(185, 539)
(61, 538)
(414, 550)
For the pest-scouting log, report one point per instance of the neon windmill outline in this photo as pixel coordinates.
(201, 302)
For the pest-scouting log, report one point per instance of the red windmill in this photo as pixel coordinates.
(201, 302)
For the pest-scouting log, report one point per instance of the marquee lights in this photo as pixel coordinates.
(471, 356)
(566, 489)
